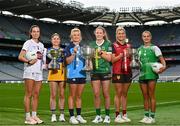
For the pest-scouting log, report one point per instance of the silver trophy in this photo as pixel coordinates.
(134, 62)
(88, 54)
(54, 54)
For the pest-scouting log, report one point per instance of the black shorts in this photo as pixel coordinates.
(146, 81)
(76, 80)
(121, 78)
(100, 76)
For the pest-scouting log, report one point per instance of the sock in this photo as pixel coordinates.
(117, 113)
(34, 114)
(61, 111)
(146, 113)
(152, 114)
(53, 111)
(124, 112)
(28, 115)
(71, 112)
(78, 110)
(98, 111)
(107, 111)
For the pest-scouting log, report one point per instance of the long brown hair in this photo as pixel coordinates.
(30, 31)
(104, 31)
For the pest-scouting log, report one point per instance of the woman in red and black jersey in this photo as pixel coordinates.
(122, 74)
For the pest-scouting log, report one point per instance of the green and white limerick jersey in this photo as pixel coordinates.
(148, 55)
(100, 65)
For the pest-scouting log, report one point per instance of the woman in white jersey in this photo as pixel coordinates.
(32, 74)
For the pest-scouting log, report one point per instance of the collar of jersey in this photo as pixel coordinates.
(34, 41)
(120, 43)
(100, 44)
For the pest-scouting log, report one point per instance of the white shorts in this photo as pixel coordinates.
(33, 76)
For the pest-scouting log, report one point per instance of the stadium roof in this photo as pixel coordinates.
(61, 11)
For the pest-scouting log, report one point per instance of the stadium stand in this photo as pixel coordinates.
(13, 71)
(14, 30)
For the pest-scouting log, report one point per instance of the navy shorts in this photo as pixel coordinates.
(76, 80)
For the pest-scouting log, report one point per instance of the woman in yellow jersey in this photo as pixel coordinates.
(57, 79)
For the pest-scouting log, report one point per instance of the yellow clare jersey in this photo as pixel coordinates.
(57, 75)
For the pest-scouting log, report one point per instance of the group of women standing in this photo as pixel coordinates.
(117, 54)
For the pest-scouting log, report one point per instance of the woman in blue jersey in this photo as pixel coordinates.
(75, 76)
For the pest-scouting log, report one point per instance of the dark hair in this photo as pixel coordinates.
(55, 34)
(30, 30)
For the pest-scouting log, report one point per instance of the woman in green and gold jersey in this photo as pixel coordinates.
(101, 74)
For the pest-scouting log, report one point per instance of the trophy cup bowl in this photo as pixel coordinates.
(88, 53)
(134, 62)
(53, 54)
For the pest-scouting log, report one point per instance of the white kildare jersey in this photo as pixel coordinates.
(31, 45)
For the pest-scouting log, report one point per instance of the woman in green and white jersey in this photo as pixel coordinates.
(148, 54)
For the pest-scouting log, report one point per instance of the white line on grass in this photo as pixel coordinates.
(129, 107)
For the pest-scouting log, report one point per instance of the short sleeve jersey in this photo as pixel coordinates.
(31, 45)
(122, 66)
(100, 65)
(148, 55)
(75, 68)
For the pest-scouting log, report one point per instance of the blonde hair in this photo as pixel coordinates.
(119, 28)
(104, 31)
(75, 30)
(146, 31)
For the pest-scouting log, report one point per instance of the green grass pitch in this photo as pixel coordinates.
(167, 94)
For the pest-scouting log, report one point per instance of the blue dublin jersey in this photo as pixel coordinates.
(74, 69)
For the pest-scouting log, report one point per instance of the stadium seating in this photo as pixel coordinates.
(13, 71)
(15, 28)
